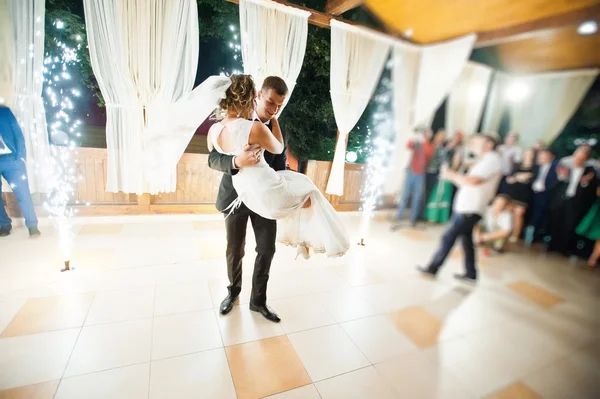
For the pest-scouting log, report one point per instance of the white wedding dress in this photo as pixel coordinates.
(281, 195)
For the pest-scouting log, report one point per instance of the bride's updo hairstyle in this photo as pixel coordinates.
(239, 97)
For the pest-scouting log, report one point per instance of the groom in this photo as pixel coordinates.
(269, 100)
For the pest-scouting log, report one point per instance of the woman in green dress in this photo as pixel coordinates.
(590, 227)
(439, 203)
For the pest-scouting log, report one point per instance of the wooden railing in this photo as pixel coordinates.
(196, 192)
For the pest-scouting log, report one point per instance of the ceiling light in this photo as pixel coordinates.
(588, 28)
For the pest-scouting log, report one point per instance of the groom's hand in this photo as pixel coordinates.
(248, 157)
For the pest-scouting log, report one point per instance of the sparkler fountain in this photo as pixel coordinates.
(61, 172)
(380, 147)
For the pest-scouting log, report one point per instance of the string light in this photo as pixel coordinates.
(61, 175)
(236, 48)
(379, 147)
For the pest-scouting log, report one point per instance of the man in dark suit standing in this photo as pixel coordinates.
(269, 101)
(572, 197)
(545, 178)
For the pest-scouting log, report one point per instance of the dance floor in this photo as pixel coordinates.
(138, 318)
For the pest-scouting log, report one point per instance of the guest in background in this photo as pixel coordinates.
(14, 170)
(572, 198)
(496, 226)
(511, 155)
(589, 227)
(439, 204)
(422, 151)
(544, 180)
(439, 149)
(518, 190)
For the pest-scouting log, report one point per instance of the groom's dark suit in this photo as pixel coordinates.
(265, 230)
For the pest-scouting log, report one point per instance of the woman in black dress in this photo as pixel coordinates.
(518, 190)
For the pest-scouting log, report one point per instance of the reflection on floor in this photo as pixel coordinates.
(137, 318)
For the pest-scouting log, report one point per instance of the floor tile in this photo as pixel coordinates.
(358, 276)
(8, 310)
(210, 226)
(112, 345)
(327, 352)
(83, 259)
(415, 235)
(49, 314)
(306, 392)
(120, 383)
(378, 339)
(185, 333)
(265, 367)
(577, 376)
(45, 390)
(516, 391)
(345, 304)
(536, 294)
(359, 384)
(301, 313)
(414, 376)
(122, 305)
(201, 375)
(181, 298)
(420, 326)
(213, 249)
(243, 325)
(101, 229)
(32, 359)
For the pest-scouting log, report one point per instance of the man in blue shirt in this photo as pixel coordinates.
(14, 171)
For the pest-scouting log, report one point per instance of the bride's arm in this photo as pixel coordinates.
(209, 143)
(262, 136)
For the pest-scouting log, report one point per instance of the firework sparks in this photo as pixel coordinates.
(379, 147)
(61, 172)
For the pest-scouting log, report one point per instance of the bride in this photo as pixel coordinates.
(306, 219)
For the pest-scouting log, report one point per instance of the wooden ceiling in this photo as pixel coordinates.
(438, 20)
(513, 35)
(518, 35)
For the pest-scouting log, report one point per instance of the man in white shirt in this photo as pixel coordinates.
(475, 191)
(574, 195)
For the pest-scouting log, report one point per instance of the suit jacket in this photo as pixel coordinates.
(224, 163)
(11, 135)
(551, 178)
(584, 196)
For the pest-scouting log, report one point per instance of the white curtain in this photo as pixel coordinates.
(406, 68)
(28, 82)
(539, 105)
(423, 76)
(7, 49)
(357, 60)
(144, 55)
(467, 98)
(273, 40)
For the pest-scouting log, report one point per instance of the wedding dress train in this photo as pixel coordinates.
(281, 195)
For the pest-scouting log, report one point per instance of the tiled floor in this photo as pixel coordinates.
(138, 318)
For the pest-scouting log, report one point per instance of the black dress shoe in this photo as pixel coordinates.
(227, 305)
(425, 271)
(465, 277)
(5, 230)
(34, 232)
(266, 312)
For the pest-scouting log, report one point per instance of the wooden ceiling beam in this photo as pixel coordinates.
(532, 28)
(338, 7)
(322, 19)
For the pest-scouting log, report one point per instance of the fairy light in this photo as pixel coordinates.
(234, 45)
(61, 174)
(379, 147)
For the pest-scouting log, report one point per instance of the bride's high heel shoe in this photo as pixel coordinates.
(302, 250)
